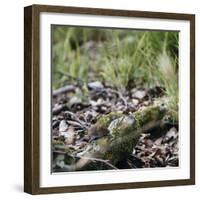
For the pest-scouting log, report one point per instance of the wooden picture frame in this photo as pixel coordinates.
(32, 106)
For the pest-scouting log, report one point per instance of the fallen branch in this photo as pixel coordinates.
(59, 109)
(120, 140)
(119, 145)
(65, 89)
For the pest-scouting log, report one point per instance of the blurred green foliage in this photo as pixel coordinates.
(121, 58)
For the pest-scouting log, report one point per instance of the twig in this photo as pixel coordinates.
(77, 119)
(98, 160)
(58, 109)
(82, 162)
(119, 95)
(131, 165)
(75, 123)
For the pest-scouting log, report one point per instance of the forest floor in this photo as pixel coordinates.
(77, 108)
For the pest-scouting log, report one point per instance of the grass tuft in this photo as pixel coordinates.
(122, 59)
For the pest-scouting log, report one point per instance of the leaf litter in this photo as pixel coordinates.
(73, 115)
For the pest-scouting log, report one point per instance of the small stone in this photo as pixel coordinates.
(70, 136)
(128, 120)
(74, 100)
(171, 134)
(96, 103)
(135, 102)
(62, 127)
(146, 103)
(158, 141)
(139, 94)
(123, 122)
(95, 85)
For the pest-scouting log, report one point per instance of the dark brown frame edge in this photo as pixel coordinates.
(32, 107)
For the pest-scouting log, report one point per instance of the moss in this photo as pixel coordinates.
(102, 142)
(151, 113)
(57, 142)
(98, 147)
(105, 120)
(120, 143)
(69, 160)
(122, 129)
(171, 117)
(142, 117)
(121, 147)
(60, 145)
(114, 149)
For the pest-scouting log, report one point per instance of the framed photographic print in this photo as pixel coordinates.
(109, 99)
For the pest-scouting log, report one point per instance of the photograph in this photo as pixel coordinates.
(109, 99)
(114, 98)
